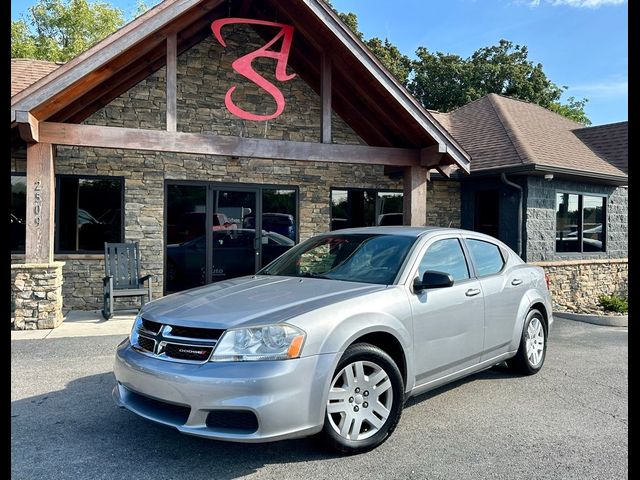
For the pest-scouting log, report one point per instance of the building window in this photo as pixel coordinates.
(88, 212)
(365, 208)
(18, 212)
(580, 223)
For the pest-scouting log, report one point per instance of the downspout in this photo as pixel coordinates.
(503, 177)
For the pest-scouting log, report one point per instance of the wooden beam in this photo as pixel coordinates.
(178, 142)
(415, 196)
(40, 203)
(432, 156)
(27, 126)
(325, 97)
(172, 73)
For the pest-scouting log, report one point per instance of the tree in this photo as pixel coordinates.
(398, 64)
(58, 30)
(444, 81)
(573, 109)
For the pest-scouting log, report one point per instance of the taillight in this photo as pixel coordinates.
(548, 280)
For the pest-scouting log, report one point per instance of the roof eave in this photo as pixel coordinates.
(596, 177)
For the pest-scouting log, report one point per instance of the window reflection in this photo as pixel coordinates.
(580, 221)
(352, 208)
(89, 213)
(18, 213)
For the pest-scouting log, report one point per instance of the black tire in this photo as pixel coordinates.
(521, 362)
(364, 352)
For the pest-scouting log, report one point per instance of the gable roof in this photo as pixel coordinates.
(504, 133)
(25, 72)
(610, 141)
(365, 94)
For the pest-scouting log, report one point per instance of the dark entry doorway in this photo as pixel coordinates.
(215, 232)
(487, 214)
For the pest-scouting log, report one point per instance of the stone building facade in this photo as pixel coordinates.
(203, 78)
(540, 219)
(491, 137)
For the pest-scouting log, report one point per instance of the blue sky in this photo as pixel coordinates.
(581, 43)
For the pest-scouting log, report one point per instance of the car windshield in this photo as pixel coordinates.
(365, 258)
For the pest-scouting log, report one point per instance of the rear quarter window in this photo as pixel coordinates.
(487, 257)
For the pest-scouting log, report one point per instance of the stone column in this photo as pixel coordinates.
(36, 295)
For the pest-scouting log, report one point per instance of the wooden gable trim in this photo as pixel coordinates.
(391, 85)
(104, 51)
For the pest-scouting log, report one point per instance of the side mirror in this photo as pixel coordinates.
(433, 279)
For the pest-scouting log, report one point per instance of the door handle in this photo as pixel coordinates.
(472, 292)
(516, 281)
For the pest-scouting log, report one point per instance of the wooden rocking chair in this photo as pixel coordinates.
(122, 276)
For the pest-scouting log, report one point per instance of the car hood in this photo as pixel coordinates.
(251, 300)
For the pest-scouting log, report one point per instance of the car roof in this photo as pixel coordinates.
(397, 230)
(414, 231)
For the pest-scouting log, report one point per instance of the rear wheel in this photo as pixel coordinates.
(365, 400)
(533, 345)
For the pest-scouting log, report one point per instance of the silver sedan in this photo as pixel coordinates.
(334, 336)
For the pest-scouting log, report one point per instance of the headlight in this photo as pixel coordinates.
(133, 336)
(269, 342)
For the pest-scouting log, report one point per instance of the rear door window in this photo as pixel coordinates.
(486, 257)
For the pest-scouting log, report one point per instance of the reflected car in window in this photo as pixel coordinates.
(281, 223)
(233, 255)
(334, 335)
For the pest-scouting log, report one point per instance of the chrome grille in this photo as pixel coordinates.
(176, 343)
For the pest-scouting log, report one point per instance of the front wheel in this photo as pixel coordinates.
(365, 400)
(533, 345)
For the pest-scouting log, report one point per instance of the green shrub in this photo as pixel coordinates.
(614, 303)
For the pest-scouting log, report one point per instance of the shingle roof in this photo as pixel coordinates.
(25, 71)
(610, 141)
(503, 132)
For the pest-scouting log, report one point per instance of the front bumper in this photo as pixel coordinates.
(286, 396)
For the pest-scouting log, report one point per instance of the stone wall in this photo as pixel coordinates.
(145, 174)
(540, 219)
(205, 75)
(576, 285)
(36, 295)
(443, 203)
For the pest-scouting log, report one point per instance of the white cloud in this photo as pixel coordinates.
(602, 89)
(578, 3)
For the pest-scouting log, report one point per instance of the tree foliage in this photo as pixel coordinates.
(445, 81)
(58, 30)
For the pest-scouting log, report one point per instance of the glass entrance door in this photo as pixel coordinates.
(216, 232)
(186, 252)
(235, 247)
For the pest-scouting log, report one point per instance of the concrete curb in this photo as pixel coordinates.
(604, 320)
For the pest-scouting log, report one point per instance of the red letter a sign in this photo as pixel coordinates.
(244, 66)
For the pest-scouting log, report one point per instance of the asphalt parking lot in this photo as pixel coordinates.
(569, 421)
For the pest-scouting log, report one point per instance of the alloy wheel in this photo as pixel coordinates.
(360, 400)
(534, 338)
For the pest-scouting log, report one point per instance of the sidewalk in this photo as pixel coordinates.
(81, 324)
